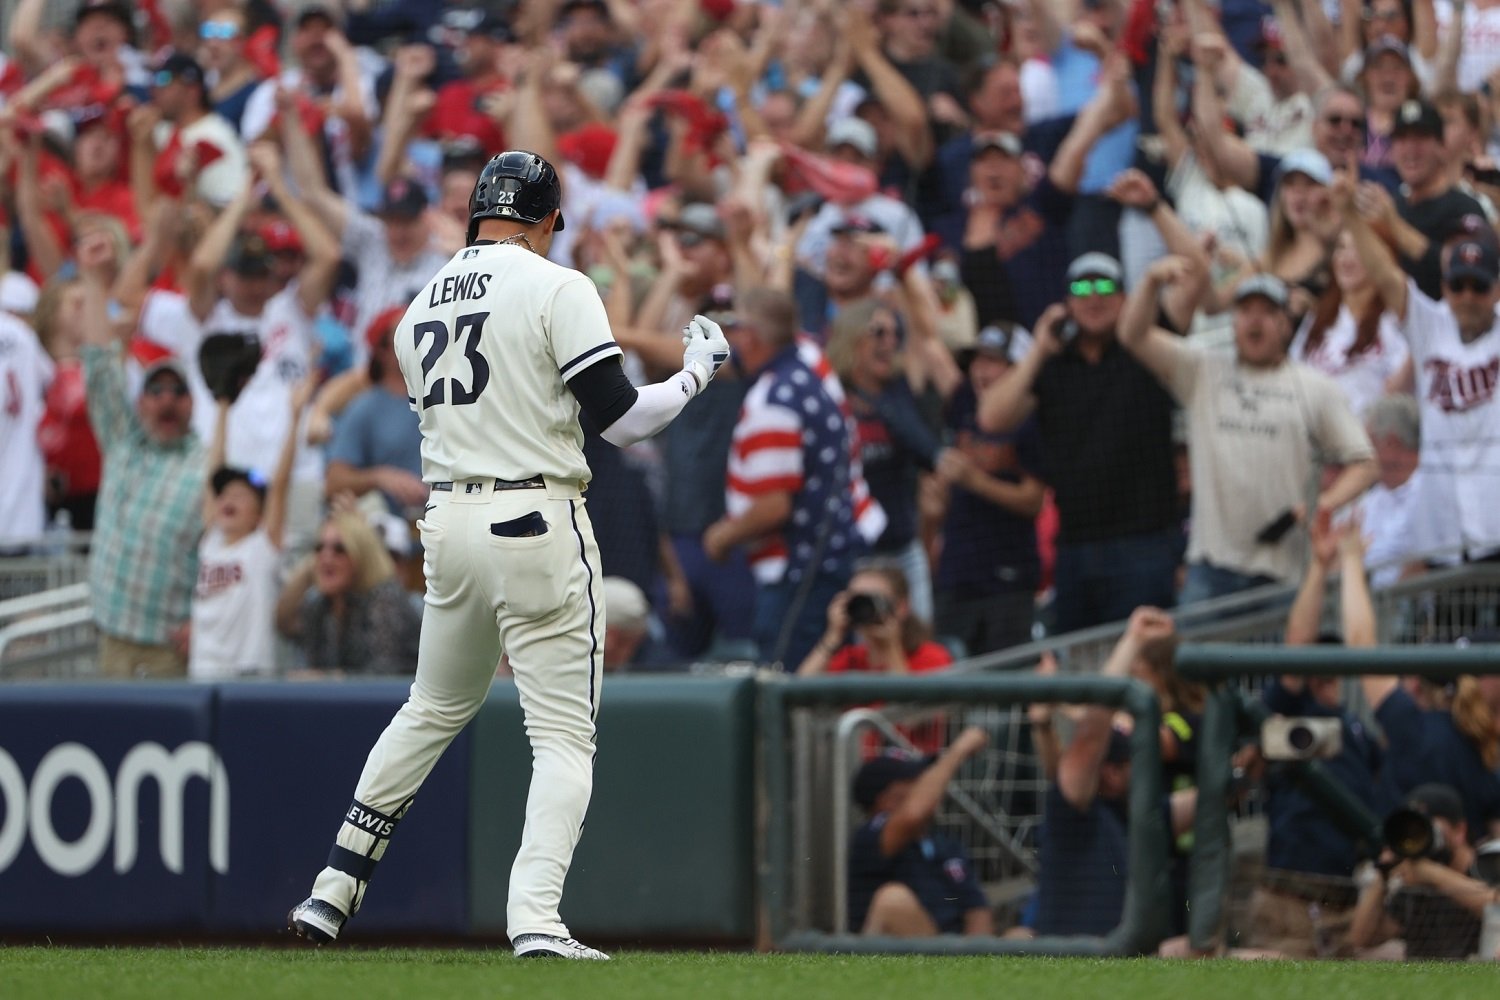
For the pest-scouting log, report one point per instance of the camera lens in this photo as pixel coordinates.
(1301, 738)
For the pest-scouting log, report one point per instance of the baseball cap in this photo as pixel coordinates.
(1472, 259)
(880, 773)
(18, 293)
(1095, 265)
(403, 199)
(625, 604)
(698, 219)
(249, 257)
(854, 132)
(178, 66)
(164, 363)
(109, 8)
(1417, 118)
(280, 237)
(1267, 286)
(1005, 142)
(993, 342)
(1437, 802)
(383, 325)
(856, 223)
(317, 10)
(226, 475)
(1309, 163)
(1470, 226)
(1384, 44)
(589, 147)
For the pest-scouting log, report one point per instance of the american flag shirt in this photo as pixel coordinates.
(794, 436)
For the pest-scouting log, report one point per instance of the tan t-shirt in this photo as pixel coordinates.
(1256, 440)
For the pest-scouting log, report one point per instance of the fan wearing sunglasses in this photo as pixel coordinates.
(1456, 356)
(231, 76)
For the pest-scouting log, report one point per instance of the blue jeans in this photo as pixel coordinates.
(800, 628)
(1205, 582)
(1100, 582)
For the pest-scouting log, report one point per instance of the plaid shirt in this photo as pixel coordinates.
(144, 561)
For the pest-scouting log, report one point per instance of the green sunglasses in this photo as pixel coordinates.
(1086, 287)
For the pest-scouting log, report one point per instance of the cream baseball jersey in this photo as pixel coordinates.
(487, 348)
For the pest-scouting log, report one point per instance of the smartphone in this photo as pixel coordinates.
(1277, 529)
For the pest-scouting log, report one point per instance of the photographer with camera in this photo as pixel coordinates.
(888, 638)
(1260, 429)
(1425, 888)
(1106, 428)
(1304, 903)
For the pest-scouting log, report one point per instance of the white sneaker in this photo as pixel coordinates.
(548, 946)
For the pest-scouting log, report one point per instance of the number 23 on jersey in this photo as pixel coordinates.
(452, 390)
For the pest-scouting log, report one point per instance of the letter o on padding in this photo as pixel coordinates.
(71, 760)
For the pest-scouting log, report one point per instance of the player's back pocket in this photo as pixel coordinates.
(526, 526)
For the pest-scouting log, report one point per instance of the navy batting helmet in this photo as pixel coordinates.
(515, 185)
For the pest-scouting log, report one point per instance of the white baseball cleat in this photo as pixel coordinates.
(316, 920)
(548, 946)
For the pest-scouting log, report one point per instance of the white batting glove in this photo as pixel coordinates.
(706, 350)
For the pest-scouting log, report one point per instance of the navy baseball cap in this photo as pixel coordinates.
(403, 199)
(178, 66)
(226, 475)
(880, 773)
(1417, 118)
(1387, 43)
(1473, 259)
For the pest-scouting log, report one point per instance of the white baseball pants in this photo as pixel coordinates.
(540, 599)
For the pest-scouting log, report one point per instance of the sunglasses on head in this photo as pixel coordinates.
(1474, 286)
(1086, 287)
(166, 388)
(162, 78)
(217, 30)
(337, 548)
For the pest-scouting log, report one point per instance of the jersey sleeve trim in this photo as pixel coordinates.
(589, 357)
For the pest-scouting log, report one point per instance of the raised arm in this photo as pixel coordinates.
(1181, 299)
(351, 104)
(277, 489)
(208, 257)
(214, 460)
(306, 165)
(320, 248)
(405, 106)
(1232, 155)
(1380, 263)
(1111, 105)
(915, 813)
(1012, 398)
(135, 277)
(1450, 51)
(899, 98)
(1153, 347)
(1312, 76)
(140, 125)
(1050, 16)
(1424, 28)
(1304, 623)
(46, 253)
(812, 119)
(529, 127)
(26, 34)
(1354, 590)
(1164, 97)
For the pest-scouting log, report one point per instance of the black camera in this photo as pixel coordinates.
(868, 609)
(1411, 834)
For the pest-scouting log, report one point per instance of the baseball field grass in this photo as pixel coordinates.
(212, 973)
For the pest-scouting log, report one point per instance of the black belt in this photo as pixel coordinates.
(534, 483)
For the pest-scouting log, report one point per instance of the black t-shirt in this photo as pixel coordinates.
(1107, 437)
(1434, 218)
(1085, 858)
(895, 443)
(989, 550)
(1426, 747)
(1433, 924)
(935, 867)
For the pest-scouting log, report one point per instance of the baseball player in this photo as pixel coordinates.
(500, 351)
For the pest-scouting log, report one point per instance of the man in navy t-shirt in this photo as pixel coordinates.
(905, 879)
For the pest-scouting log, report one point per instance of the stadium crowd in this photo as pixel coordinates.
(1043, 312)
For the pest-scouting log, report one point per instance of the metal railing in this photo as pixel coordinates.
(49, 634)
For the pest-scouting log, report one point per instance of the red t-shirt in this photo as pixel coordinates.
(928, 656)
(67, 439)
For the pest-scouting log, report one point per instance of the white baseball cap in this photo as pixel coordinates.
(854, 132)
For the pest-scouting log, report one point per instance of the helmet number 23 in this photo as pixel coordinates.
(438, 390)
